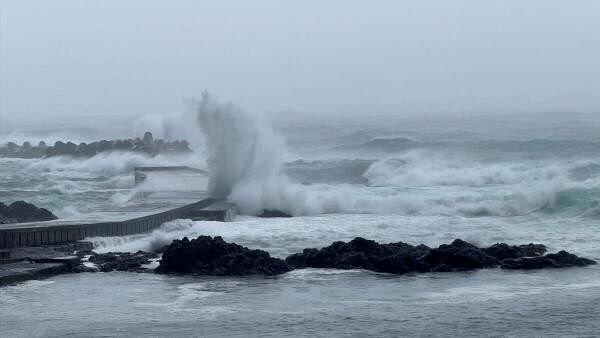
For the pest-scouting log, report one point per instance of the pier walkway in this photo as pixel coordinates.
(142, 215)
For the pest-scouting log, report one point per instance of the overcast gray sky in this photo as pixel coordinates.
(120, 57)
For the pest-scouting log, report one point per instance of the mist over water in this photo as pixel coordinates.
(242, 148)
(440, 167)
(417, 183)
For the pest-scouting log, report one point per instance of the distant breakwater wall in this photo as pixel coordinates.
(42, 233)
(147, 145)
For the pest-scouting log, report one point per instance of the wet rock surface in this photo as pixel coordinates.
(21, 211)
(503, 251)
(457, 256)
(361, 253)
(273, 213)
(402, 258)
(122, 261)
(562, 259)
(213, 256)
(206, 255)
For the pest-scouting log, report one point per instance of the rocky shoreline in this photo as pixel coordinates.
(212, 256)
(146, 145)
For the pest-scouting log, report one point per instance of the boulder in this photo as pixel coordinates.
(86, 150)
(104, 145)
(12, 147)
(123, 145)
(71, 148)
(503, 251)
(21, 211)
(60, 148)
(182, 146)
(361, 253)
(562, 259)
(148, 139)
(458, 256)
(213, 256)
(268, 213)
(4, 218)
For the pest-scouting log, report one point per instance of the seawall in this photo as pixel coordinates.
(64, 231)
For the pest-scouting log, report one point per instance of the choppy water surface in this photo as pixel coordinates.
(540, 185)
(322, 302)
(307, 303)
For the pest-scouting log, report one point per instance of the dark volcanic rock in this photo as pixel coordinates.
(21, 211)
(458, 256)
(122, 261)
(273, 213)
(562, 259)
(502, 251)
(361, 253)
(213, 256)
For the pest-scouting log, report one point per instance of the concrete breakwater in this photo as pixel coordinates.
(140, 173)
(119, 223)
(147, 145)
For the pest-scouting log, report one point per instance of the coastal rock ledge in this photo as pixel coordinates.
(213, 256)
(400, 258)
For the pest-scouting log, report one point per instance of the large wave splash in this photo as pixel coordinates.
(245, 160)
(244, 154)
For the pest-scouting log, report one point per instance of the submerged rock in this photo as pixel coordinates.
(562, 259)
(267, 213)
(21, 211)
(122, 261)
(213, 256)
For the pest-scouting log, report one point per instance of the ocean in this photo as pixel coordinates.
(515, 179)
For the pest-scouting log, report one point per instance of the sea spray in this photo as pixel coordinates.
(243, 151)
(245, 156)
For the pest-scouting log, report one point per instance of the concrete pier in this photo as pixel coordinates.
(145, 216)
(41, 249)
(140, 173)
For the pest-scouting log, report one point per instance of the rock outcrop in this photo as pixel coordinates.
(457, 256)
(213, 256)
(503, 251)
(562, 259)
(402, 258)
(361, 253)
(21, 211)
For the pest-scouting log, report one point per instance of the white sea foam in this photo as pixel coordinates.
(245, 156)
(284, 236)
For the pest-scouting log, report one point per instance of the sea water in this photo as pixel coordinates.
(417, 184)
